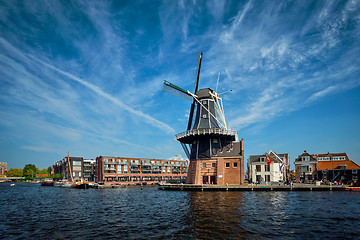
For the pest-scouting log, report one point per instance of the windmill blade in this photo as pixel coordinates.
(191, 115)
(177, 91)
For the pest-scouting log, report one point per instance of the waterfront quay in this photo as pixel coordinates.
(251, 187)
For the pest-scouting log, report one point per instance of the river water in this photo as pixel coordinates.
(29, 211)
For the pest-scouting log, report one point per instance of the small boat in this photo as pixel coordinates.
(12, 185)
(48, 183)
(65, 184)
(80, 184)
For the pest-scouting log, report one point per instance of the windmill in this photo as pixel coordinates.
(207, 137)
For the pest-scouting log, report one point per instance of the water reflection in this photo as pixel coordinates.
(216, 214)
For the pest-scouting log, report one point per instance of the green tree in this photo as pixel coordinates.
(14, 172)
(29, 170)
(43, 171)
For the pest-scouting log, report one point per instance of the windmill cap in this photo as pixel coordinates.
(204, 93)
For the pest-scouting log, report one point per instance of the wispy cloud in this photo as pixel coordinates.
(91, 72)
(39, 149)
(274, 69)
(148, 119)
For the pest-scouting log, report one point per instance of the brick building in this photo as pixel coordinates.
(225, 166)
(328, 166)
(76, 170)
(121, 169)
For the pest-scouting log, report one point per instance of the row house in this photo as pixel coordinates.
(305, 167)
(80, 168)
(326, 167)
(269, 167)
(121, 169)
(89, 170)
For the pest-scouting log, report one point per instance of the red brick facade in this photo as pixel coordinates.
(221, 170)
(120, 169)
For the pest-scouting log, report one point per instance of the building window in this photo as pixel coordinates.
(227, 165)
(76, 163)
(306, 158)
(304, 169)
(267, 178)
(262, 159)
(235, 164)
(258, 168)
(204, 165)
(354, 171)
(267, 168)
(213, 165)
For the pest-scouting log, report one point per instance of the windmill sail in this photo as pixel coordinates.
(177, 91)
(192, 109)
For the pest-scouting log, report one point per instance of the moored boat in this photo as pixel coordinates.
(80, 184)
(65, 184)
(48, 183)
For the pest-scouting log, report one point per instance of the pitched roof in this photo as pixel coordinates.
(42, 175)
(323, 165)
(256, 158)
(331, 155)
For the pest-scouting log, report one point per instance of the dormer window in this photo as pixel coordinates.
(305, 158)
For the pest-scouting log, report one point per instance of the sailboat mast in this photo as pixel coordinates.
(69, 168)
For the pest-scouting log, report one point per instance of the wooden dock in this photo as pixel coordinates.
(249, 188)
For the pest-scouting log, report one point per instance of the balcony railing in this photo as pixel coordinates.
(205, 131)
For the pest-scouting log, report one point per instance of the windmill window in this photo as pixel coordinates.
(204, 116)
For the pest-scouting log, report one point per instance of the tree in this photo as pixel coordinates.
(43, 171)
(14, 172)
(29, 170)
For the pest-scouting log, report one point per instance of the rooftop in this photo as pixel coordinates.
(323, 165)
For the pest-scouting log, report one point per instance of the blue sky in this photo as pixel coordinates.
(86, 77)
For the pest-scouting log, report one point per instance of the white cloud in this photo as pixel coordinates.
(39, 149)
(148, 119)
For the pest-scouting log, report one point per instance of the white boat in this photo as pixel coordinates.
(65, 184)
(12, 185)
